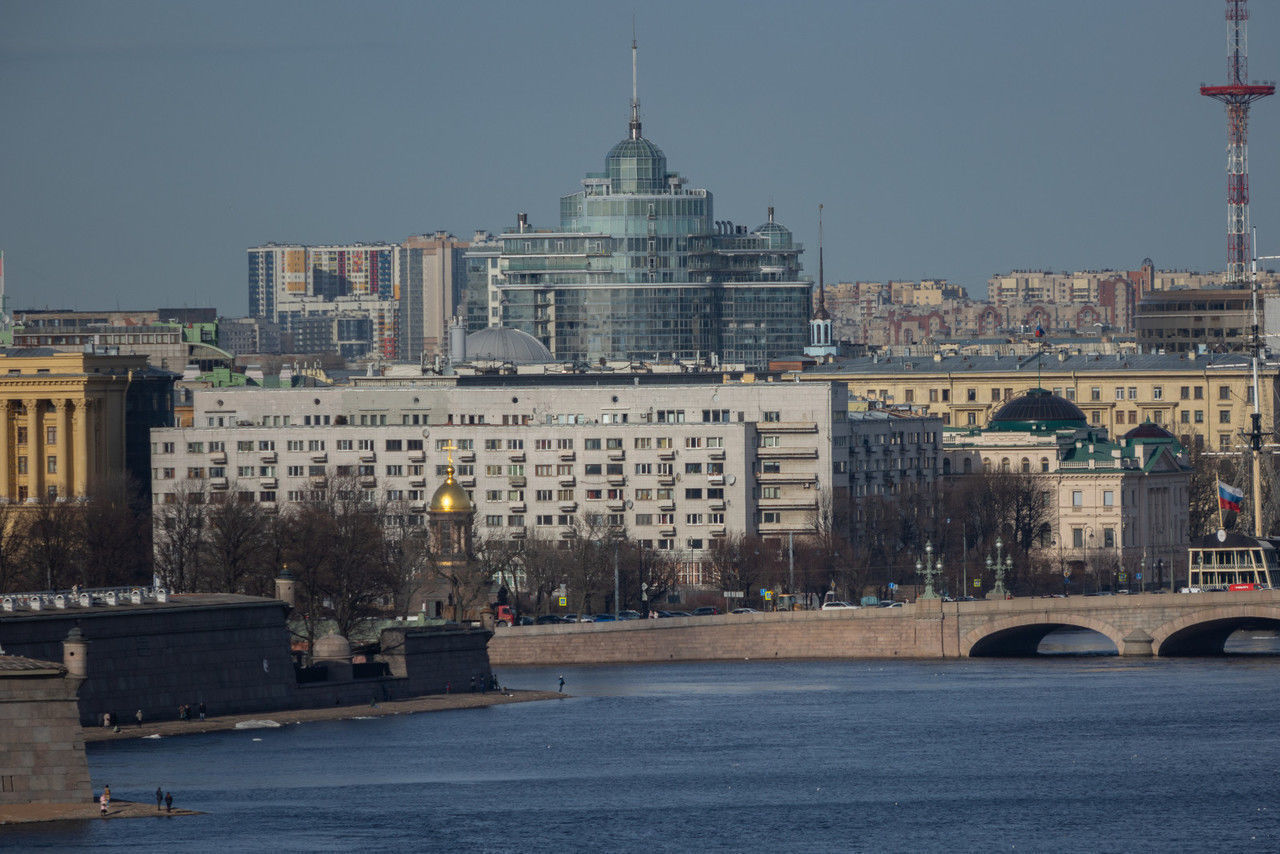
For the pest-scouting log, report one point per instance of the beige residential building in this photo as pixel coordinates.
(674, 464)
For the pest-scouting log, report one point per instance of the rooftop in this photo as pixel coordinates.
(1050, 364)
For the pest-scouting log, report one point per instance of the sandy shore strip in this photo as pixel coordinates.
(430, 703)
(27, 813)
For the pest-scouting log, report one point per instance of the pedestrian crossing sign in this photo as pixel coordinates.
(564, 600)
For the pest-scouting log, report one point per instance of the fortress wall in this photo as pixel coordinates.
(42, 757)
(234, 657)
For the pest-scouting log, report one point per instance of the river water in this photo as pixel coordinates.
(1089, 753)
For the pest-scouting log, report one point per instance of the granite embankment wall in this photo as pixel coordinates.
(1138, 625)
(866, 633)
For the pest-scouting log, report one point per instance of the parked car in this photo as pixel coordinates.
(890, 604)
(744, 611)
(604, 618)
(523, 620)
(837, 605)
(674, 614)
(705, 611)
(549, 619)
(630, 615)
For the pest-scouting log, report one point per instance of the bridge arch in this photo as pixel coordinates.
(1205, 631)
(1020, 635)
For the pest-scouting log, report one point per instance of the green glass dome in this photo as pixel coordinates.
(636, 165)
(777, 235)
(1038, 411)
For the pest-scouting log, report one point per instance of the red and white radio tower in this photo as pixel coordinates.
(1238, 94)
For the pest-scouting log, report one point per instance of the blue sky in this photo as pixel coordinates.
(146, 145)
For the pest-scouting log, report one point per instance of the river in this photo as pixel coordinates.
(1073, 753)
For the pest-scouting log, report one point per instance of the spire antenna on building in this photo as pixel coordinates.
(635, 91)
(1237, 95)
(822, 287)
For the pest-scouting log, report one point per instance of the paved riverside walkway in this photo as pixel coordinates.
(28, 813)
(429, 703)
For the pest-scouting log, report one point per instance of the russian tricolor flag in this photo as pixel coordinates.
(1229, 497)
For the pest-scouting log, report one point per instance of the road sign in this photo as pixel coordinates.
(1124, 576)
(892, 586)
(768, 595)
(733, 594)
(564, 600)
(1066, 572)
(1138, 576)
(764, 591)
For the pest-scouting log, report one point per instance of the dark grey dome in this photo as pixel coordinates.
(500, 344)
(1038, 410)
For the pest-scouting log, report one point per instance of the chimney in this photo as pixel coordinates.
(75, 654)
(523, 219)
(284, 587)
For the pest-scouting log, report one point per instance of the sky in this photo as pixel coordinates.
(144, 146)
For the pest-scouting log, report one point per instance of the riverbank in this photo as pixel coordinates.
(430, 703)
(30, 813)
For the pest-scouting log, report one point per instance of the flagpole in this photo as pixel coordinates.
(1217, 484)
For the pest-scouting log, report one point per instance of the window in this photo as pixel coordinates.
(693, 518)
(543, 470)
(412, 445)
(770, 517)
(1044, 464)
(644, 468)
(1108, 498)
(1157, 392)
(195, 473)
(590, 444)
(1108, 538)
(693, 468)
(1185, 392)
(693, 442)
(1119, 392)
(493, 444)
(644, 443)
(493, 471)
(1199, 416)
(293, 445)
(1224, 392)
(493, 521)
(515, 470)
(693, 493)
(767, 441)
(242, 447)
(1095, 393)
(515, 495)
(1077, 538)
(1224, 416)
(542, 495)
(195, 447)
(542, 444)
(613, 444)
(770, 492)
(715, 416)
(1185, 416)
(644, 518)
(266, 471)
(595, 494)
(365, 445)
(544, 520)
(344, 444)
(772, 416)
(715, 494)
(318, 471)
(51, 465)
(395, 471)
(715, 441)
(564, 495)
(670, 416)
(613, 469)
(1199, 392)
(1077, 498)
(395, 445)
(590, 469)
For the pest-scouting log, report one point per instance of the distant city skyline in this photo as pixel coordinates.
(151, 143)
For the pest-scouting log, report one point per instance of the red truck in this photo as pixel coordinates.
(503, 615)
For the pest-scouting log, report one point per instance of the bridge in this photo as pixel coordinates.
(1139, 625)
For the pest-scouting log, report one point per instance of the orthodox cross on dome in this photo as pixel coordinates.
(449, 449)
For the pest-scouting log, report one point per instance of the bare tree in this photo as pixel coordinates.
(178, 538)
(53, 543)
(14, 564)
(115, 536)
(235, 538)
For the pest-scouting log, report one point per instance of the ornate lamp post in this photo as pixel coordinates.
(929, 572)
(997, 591)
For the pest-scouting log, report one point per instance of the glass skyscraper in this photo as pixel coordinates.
(640, 268)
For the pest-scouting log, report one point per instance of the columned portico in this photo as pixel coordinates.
(35, 448)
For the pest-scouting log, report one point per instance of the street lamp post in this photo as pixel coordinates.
(929, 571)
(997, 591)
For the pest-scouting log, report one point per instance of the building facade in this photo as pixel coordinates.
(1205, 401)
(69, 422)
(639, 266)
(1116, 506)
(674, 465)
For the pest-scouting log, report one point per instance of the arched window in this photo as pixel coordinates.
(946, 465)
(1044, 464)
(1004, 464)
(986, 464)
(968, 466)
(1026, 466)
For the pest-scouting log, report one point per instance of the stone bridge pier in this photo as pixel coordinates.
(1138, 625)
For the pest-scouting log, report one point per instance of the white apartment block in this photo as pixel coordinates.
(674, 465)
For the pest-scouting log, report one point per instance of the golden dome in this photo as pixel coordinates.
(451, 498)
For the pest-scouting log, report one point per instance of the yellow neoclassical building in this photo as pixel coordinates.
(1204, 400)
(63, 421)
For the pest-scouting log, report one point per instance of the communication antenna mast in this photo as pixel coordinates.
(1237, 95)
(635, 91)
